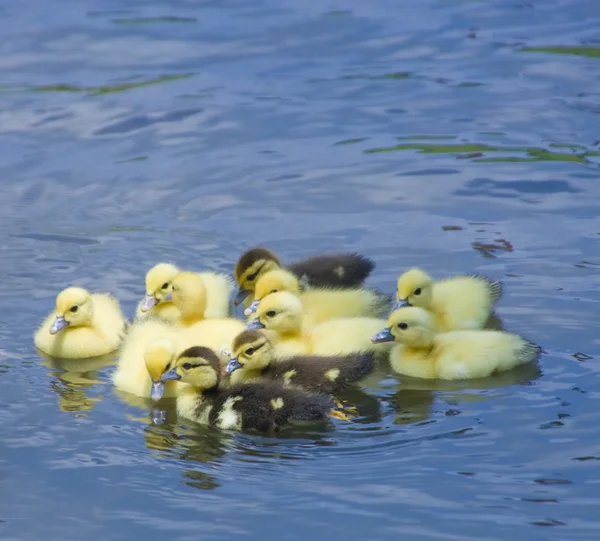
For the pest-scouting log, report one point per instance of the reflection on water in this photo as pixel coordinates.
(73, 380)
(477, 152)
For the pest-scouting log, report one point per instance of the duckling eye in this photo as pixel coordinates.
(165, 285)
(274, 291)
(252, 277)
(271, 313)
(74, 309)
(250, 351)
(187, 366)
(403, 326)
(418, 291)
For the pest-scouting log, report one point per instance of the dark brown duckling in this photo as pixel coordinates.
(254, 359)
(347, 270)
(257, 406)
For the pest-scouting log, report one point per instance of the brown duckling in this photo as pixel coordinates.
(329, 270)
(261, 406)
(254, 359)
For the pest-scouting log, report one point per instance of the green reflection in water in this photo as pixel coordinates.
(108, 89)
(531, 153)
(351, 141)
(587, 52)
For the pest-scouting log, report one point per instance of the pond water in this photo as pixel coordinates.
(454, 135)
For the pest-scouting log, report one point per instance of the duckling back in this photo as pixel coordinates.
(219, 288)
(216, 334)
(464, 302)
(322, 374)
(266, 406)
(325, 304)
(479, 354)
(346, 335)
(333, 270)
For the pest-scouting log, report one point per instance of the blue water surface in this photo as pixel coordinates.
(456, 135)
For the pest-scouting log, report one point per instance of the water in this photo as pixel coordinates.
(455, 135)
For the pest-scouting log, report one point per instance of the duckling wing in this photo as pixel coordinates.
(219, 288)
(334, 270)
(325, 374)
(266, 406)
(465, 302)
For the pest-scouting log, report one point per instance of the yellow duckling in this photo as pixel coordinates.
(457, 303)
(218, 289)
(260, 406)
(150, 345)
(420, 352)
(83, 325)
(189, 296)
(332, 270)
(281, 315)
(320, 304)
(254, 359)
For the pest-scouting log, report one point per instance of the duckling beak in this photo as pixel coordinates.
(232, 366)
(149, 302)
(382, 336)
(255, 324)
(158, 389)
(59, 323)
(241, 296)
(171, 375)
(168, 297)
(402, 303)
(252, 308)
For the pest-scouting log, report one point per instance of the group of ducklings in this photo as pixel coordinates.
(312, 329)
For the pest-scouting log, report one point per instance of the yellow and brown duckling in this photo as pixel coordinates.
(263, 406)
(421, 352)
(83, 325)
(321, 304)
(328, 270)
(254, 359)
(456, 303)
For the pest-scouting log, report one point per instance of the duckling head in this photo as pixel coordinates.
(188, 293)
(158, 355)
(414, 289)
(199, 366)
(411, 326)
(251, 349)
(249, 267)
(273, 282)
(279, 312)
(73, 309)
(158, 284)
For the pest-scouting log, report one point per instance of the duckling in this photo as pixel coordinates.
(321, 304)
(457, 303)
(218, 288)
(153, 342)
(333, 270)
(150, 345)
(188, 294)
(281, 315)
(420, 352)
(254, 359)
(83, 325)
(257, 406)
